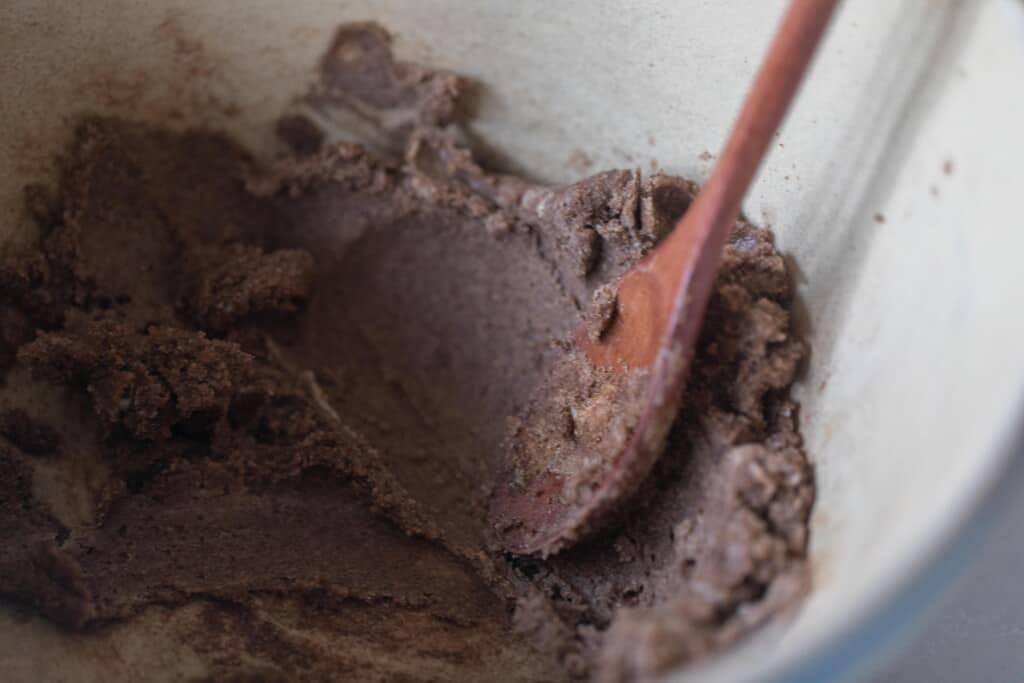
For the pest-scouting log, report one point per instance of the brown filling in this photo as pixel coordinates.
(271, 399)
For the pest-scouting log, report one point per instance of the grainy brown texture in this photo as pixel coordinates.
(27, 433)
(146, 382)
(233, 282)
(578, 418)
(283, 391)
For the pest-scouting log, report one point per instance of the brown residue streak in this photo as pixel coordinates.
(30, 158)
(947, 167)
(192, 89)
(196, 89)
(578, 161)
(879, 218)
(116, 91)
(189, 52)
(821, 564)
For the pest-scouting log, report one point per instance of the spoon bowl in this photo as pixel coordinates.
(544, 502)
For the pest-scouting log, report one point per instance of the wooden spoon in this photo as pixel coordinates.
(661, 305)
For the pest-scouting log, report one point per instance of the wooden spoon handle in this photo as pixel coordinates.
(710, 219)
(766, 105)
(665, 295)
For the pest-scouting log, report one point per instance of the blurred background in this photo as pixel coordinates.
(975, 629)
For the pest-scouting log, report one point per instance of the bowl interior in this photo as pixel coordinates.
(890, 190)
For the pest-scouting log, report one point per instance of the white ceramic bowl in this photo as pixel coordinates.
(893, 188)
